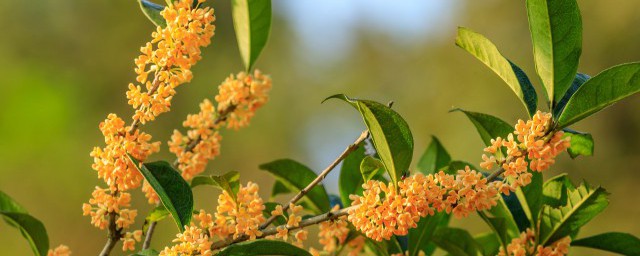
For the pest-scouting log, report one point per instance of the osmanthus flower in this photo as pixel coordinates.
(386, 209)
(333, 233)
(61, 250)
(169, 58)
(531, 146)
(525, 245)
(129, 240)
(239, 216)
(112, 163)
(193, 241)
(241, 95)
(105, 202)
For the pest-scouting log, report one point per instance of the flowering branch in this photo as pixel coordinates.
(320, 177)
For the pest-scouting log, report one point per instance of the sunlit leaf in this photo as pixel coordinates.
(575, 85)
(434, 158)
(489, 243)
(555, 190)
(350, 182)
(455, 241)
(581, 143)
(31, 228)
(152, 11)
(252, 23)
(622, 243)
(229, 182)
(371, 167)
(530, 197)
(488, 126)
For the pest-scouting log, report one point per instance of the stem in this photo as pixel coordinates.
(147, 238)
(320, 177)
(113, 237)
(331, 215)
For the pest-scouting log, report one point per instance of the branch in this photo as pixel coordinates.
(320, 177)
(113, 237)
(332, 215)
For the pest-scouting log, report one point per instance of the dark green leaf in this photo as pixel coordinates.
(600, 91)
(146, 252)
(485, 51)
(577, 83)
(434, 158)
(371, 167)
(489, 243)
(7, 204)
(488, 126)
(174, 192)
(583, 204)
(554, 191)
(31, 228)
(556, 32)
(152, 11)
(457, 242)
(278, 189)
(389, 132)
(581, 143)
(229, 182)
(295, 176)
(530, 197)
(263, 247)
(350, 178)
(420, 237)
(501, 222)
(622, 243)
(252, 22)
(455, 166)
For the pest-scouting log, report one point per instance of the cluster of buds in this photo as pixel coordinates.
(106, 202)
(61, 250)
(525, 246)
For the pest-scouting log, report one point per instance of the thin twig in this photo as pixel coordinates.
(147, 238)
(320, 177)
(332, 215)
(113, 236)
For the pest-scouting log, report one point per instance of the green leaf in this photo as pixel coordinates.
(602, 90)
(488, 126)
(489, 243)
(252, 22)
(229, 182)
(7, 204)
(530, 197)
(583, 204)
(31, 228)
(581, 143)
(263, 247)
(157, 214)
(350, 178)
(295, 176)
(485, 51)
(174, 192)
(577, 83)
(268, 208)
(279, 189)
(622, 243)
(457, 242)
(555, 190)
(434, 158)
(146, 252)
(371, 167)
(556, 32)
(390, 134)
(152, 11)
(455, 166)
(420, 237)
(501, 222)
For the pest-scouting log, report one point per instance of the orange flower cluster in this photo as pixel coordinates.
(525, 246)
(193, 241)
(241, 216)
(112, 163)
(105, 202)
(387, 210)
(293, 220)
(61, 250)
(242, 95)
(203, 130)
(129, 240)
(169, 56)
(530, 146)
(333, 234)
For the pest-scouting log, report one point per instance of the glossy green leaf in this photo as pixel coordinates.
(434, 158)
(263, 247)
(279, 189)
(583, 204)
(295, 176)
(455, 241)
(555, 190)
(371, 167)
(31, 228)
(252, 23)
(390, 134)
(146, 252)
(622, 243)
(350, 182)
(530, 197)
(152, 11)
(229, 182)
(489, 243)
(420, 237)
(556, 32)
(485, 51)
(455, 166)
(7, 204)
(174, 192)
(501, 222)
(575, 85)
(599, 92)
(581, 143)
(488, 126)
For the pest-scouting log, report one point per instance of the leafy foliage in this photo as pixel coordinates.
(350, 182)
(434, 158)
(228, 182)
(581, 143)
(455, 241)
(488, 126)
(252, 23)
(31, 228)
(263, 247)
(622, 243)
(174, 192)
(371, 167)
(152, 11)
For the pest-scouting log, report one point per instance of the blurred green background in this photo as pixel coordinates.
(65, 65)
